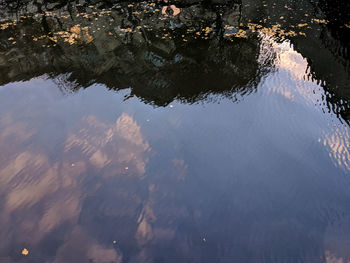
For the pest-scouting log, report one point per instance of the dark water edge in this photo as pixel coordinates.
(183, 131)
(135, 56)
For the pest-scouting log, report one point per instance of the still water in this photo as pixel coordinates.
(174, 132)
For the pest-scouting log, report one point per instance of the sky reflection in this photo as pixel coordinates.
(123, 182)
(159, 150)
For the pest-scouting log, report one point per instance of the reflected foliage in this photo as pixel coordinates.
(327, 51)
(184, 50)
(144, 47)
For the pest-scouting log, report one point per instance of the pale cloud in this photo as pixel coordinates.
(337, 142)
(105, 145)
(79, 246)
(30, 180)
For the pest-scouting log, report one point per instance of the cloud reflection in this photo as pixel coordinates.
(337, 141)
(121, 145)
(44, 195)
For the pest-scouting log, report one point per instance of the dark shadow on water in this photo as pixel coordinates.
(161, 55)
(156, 70)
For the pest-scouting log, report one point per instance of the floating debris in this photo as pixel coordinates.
(25, 252)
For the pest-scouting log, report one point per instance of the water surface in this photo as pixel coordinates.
(174, 132)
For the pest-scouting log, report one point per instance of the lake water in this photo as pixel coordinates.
(175, 132)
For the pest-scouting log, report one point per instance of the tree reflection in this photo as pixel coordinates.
(184, 50)
(182, 56)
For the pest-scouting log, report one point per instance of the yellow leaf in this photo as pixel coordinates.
(25, 252)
